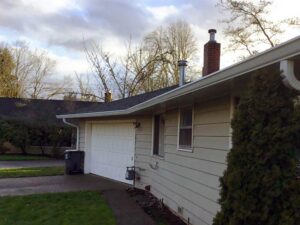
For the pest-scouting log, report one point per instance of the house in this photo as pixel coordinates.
(36, 112)
(178, 137)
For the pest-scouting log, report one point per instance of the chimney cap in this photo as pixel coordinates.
(182, 62)
(212, 33)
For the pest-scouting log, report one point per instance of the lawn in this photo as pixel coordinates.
(73, 208)
(21, 157)
(31, 172)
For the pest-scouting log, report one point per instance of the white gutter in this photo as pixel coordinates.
(289, 78)
(77, 131)
(271, 56)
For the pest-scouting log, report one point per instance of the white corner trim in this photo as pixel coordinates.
(77, 131)
(289, 78)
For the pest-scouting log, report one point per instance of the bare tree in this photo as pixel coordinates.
(248, 27)
(34, 71)
(85, 92)
(42, 67)
(148, 66)
(56, 87)
(122, 75)
(179, 42)
(23, 65)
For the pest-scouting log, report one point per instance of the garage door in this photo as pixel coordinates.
(112, 150)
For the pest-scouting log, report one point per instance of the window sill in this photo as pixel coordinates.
(158, 157)
(185, 149)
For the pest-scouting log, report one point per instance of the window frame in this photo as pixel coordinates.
(183, 148)
(153, 136)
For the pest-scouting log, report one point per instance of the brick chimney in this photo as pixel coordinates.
(107, 96)
(212, 52)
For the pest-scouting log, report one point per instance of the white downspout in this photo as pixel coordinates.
(77, 131)
(289, 78)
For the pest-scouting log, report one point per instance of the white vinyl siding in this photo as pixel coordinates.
(81, 135)
(187, 179)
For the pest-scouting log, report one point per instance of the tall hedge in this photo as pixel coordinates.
(260, 186)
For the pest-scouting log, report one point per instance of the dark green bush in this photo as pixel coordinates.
(22, 135)
(259, 186)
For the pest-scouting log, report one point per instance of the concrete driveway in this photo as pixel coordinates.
(33, 185)
(33, 163)
(127, 212)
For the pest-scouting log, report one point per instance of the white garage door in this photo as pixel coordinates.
(112, 150)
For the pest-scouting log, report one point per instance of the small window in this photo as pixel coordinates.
(158, 135)
(186, 129)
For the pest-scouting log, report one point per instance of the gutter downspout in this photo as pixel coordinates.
(77, 131)
(288, 75)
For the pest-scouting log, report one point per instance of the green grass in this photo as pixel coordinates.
(162, 223)
(21, 157)
(31, 172)
(73, 208)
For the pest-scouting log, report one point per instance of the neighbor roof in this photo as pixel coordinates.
(39, 110)
(271, 56)
(125, 103)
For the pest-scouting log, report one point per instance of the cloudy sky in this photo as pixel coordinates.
(59, 26)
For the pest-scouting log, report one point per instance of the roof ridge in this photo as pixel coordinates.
(49, 100)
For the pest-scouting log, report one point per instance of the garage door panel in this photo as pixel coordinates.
(112, 150)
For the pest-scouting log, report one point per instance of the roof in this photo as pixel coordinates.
(39, 110)
(125, 103)
(286, 50)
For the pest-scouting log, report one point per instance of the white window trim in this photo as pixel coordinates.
(152, 139)
(180, 148)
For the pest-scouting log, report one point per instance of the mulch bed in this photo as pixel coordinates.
(154, 207)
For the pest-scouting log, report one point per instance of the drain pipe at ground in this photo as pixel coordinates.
(77, 131)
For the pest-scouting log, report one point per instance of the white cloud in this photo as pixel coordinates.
(60, 25)
(68, 66)
(162, 12)
(50, 6)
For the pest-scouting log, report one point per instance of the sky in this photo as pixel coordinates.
(60, 26)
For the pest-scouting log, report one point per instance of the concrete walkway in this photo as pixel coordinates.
(127, 212)
(33, 163)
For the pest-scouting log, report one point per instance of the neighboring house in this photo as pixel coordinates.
(39, 111)
(178, 137)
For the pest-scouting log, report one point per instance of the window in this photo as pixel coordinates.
(158, 135)
(185, 129)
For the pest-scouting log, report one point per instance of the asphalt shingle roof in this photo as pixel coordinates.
(124, 103)
(39, 110)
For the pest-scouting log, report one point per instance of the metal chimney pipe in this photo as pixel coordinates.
(212, 34)
(182, 64)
